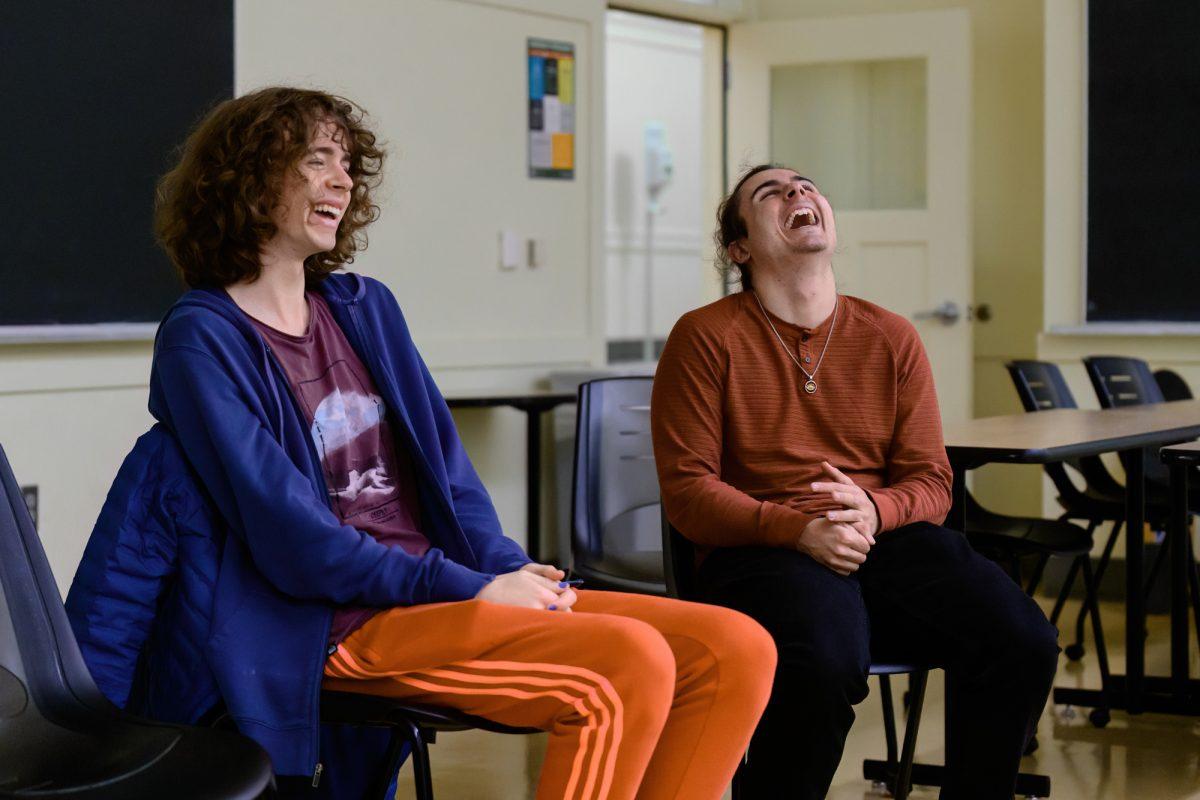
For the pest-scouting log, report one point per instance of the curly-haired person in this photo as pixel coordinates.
(364, 554)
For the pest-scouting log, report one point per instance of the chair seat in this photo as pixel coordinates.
(1026, 534)
(896, 668)
(139, 760)
(1093, 504)
(352, 708)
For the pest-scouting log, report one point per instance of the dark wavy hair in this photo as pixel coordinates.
(213, 210)
(731, 226)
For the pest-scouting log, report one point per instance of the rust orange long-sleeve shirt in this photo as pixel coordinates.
(738, 442)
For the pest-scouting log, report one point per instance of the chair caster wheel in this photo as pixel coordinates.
(1099, 717)
(1032, 747)
(1074, 651)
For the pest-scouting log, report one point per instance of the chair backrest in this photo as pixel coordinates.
(56, 675)
(1040, 385)
(1172, 385)
(1122, 381)
(53, 719)
(615, 532)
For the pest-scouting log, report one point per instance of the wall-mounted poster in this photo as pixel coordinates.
(551, 109)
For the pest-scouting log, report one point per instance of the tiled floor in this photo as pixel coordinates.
(1148, 757)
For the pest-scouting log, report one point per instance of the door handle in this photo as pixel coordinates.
(948, 312)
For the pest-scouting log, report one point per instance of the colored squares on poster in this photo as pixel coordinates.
(537, 71)
(566, 81)
(552, 120)
(562, 150)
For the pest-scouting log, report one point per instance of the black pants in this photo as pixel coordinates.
(923, 595)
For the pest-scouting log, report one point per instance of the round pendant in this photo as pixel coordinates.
(810, 386)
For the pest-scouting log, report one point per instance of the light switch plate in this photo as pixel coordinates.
(510, 250)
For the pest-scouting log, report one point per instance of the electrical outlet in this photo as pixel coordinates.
(30, 493)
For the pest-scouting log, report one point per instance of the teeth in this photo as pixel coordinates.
(328, 209)
(809, 218)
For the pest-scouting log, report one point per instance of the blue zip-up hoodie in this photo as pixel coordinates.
(289, 560)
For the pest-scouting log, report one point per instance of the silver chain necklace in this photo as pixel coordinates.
(810, 385)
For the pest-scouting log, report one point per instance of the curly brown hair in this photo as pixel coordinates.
(213, 210)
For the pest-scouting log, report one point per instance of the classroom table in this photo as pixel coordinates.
(534, 403)
(1181, 460)
(1061, 434)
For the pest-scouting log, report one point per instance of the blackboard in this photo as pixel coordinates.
(1143, 161)
(98, 96)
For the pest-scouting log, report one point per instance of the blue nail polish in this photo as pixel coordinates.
(553, 608)
(562, 584)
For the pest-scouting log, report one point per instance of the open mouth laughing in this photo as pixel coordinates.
(801, 217)
(328, 213)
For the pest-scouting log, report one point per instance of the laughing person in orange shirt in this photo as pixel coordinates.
(799, 446)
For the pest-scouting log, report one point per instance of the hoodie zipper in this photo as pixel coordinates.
(279, 374)
(411, 439)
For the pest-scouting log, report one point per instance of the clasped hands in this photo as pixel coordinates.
(532, 586)
(841, 538)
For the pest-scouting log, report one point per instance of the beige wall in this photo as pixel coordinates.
(445, 82)
(1006, 144)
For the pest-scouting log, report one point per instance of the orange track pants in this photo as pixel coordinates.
(643, 696)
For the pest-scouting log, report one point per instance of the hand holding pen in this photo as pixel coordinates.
(562, 585)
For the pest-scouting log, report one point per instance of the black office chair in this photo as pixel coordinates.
(896, 771)
(615, 536)
(413, 728)
(1172, 385)
(1041, 387)
(59, 736)
(1121, 381)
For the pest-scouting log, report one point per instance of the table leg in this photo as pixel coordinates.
(1178, 535)
(1135, 611)
(533, 483)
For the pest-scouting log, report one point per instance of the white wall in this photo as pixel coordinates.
(445, 83)
(658, 72)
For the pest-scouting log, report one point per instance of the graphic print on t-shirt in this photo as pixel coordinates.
(350, 432)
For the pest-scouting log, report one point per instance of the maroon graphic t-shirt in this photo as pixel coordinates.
(371, 485)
